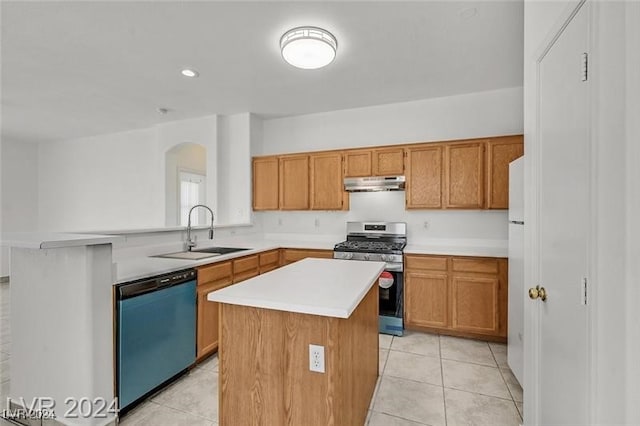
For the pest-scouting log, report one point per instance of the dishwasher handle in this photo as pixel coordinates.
(138, 288)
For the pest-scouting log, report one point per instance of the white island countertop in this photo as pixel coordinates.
(326, 287)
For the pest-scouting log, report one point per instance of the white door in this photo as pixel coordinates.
(561, 346)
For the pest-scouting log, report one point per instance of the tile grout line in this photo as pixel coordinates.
(480, 394)
(444, 399)
(398, 417)
(515, 404)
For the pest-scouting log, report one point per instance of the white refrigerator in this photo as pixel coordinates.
(515, 342)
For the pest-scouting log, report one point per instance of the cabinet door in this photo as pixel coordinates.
(207, 327)
(475, 303)
(357, 163)
(294, 182)
(327, 187)
(500, 152)
(269, 261)
(464, 177)
(388, 162)
(216, 273)
(293, 255)
(424, 177)
(245, 268)
(265, 183)
(426, 299)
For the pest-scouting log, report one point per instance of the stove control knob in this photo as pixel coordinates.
(347, 256)
(366, 257)
(384, 257)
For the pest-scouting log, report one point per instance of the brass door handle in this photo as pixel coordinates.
(538, 293)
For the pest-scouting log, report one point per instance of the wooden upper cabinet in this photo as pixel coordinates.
(357, 163)
(374, 162)
(464, 175)
(424, 177)
(265, 183)
(327, 188)
(500, 152)
(294, 182)
(387, 162)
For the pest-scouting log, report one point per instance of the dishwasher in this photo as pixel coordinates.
(155, 333)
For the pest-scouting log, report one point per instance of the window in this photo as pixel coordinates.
(192, 192)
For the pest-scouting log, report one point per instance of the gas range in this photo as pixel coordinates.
(383, 242)
(374, 241)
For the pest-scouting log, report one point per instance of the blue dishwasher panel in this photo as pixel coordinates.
(156, 339)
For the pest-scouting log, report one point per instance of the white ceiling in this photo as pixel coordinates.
(72, 69)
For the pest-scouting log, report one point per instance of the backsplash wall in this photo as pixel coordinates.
(389, 207)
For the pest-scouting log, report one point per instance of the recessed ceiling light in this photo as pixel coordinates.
(162, 111)
(308, 47)
(187, 72)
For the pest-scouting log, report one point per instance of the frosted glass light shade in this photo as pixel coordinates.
(308, 47)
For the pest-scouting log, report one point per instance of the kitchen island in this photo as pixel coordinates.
(267, 324)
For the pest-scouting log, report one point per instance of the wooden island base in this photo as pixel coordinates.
(264, 366)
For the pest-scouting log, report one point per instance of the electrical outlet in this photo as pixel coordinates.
(316, 358)
(317, 223)
(426, 224)
(279, 221)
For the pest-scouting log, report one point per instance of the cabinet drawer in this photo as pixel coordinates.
(218, 273)
(484, 266)
(426, 262)
(293, 255)
(245, 268)
(269, 257)
(269, 261)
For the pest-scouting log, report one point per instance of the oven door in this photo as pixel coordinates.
(391, 305)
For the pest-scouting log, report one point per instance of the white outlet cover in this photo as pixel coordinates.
(316, 358)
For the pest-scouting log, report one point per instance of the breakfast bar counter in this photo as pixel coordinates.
(267, 325)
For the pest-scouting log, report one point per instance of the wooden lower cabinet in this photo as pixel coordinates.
(207, 329)
(293, 255)
(462, 296)
(218, 275)
(426, 299)
(245, 268)
(210, 278)
(269, 260)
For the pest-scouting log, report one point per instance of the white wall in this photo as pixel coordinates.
(18, 192)
(201, 131)
(609, 86)
(113, 181)
(465, 116)
(472, 115)
(234, 168)
(117, 181)
(389, 206)
(186, 157)
(633, 210)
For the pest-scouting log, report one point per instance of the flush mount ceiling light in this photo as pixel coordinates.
(187, 72)
(308, 47)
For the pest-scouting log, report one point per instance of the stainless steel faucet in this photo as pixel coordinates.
(190, 243)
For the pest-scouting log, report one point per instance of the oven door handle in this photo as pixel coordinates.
(393, 267)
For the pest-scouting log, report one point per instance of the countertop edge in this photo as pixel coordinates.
(333, 312)
(173, 265)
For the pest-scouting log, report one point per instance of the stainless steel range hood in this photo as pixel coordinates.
(374, 183)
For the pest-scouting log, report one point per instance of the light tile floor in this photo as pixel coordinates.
(424, 379)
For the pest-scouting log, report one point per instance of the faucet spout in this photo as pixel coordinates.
(190, 243)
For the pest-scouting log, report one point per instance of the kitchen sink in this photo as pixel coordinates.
(186, 255)
(202, 253)
(219, 250)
